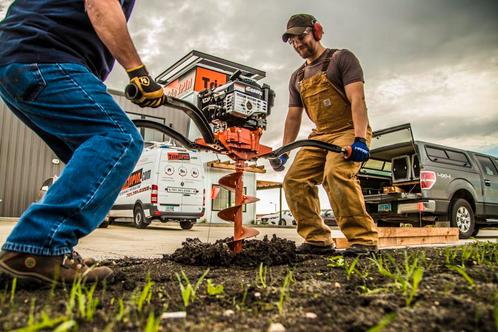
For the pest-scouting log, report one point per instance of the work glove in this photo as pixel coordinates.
(358, 151)
(278, 163)
(142, 89)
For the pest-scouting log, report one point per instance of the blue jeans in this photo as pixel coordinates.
(71, 110)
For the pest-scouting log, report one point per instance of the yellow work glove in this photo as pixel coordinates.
(142, 89)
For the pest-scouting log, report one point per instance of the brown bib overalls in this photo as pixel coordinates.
(330, 111)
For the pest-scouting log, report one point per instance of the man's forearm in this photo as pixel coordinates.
(109, 22)
(360, 117)
(291, 130)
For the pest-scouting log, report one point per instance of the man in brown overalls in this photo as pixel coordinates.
(329, 86)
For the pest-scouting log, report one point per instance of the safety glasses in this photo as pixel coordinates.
(293, 39)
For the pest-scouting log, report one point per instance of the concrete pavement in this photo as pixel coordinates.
(123, 240)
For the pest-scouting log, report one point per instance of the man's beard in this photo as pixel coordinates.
(305, 51)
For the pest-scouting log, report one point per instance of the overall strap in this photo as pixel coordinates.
(328, 57)
(300, 73)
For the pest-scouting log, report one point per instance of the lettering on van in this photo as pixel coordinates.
(134, 179)
(178, 190)
(146, 175)
(137, 191)
(178, 156)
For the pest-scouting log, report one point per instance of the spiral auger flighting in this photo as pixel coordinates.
(234, 183)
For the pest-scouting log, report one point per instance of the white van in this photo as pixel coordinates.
(167, 184)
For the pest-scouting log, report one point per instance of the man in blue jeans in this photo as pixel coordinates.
(53, 59)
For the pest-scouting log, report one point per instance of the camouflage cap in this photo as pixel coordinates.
(297, 25)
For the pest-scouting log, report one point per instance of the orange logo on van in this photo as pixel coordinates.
(178, 156)
(134, 179)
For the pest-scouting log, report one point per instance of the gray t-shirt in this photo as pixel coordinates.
(344, 68)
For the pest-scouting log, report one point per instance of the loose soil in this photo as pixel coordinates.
(430, 289)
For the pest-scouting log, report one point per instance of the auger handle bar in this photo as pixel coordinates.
(308, 142)
(132, 92)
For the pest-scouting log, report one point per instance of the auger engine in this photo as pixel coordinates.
(241, 102)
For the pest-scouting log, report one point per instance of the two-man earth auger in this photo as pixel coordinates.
(231, 120)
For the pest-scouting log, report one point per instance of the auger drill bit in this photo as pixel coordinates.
(234, 183)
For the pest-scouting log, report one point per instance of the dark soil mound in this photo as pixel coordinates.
(276, 251)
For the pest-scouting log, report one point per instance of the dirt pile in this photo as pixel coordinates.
(274, 251)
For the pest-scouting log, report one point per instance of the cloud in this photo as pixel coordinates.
(431, 63)
(452, 104)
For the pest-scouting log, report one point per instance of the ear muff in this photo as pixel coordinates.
(317, 30)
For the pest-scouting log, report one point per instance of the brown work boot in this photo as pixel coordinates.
(308, 248)
(360, 250)
(49, 269)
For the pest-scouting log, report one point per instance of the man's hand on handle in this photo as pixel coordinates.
(358, 151)
(149, 93)
(278, 163)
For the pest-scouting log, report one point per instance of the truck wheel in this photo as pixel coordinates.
(462, 216)
(139, 217)
(187, 224)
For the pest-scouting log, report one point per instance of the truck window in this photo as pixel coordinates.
(376, 167)
(447, 156)
(487, 166)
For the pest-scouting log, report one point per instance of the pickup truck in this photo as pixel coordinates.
(420, 183)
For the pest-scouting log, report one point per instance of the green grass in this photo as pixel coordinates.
(187, 289)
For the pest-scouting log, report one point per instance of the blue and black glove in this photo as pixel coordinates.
(358, 151)
(278, 163)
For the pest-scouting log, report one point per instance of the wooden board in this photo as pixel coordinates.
(409, 236)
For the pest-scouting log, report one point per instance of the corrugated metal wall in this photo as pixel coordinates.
(26, 161)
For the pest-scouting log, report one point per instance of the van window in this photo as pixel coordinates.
(487, 166)
(447, 156)
(225, 199)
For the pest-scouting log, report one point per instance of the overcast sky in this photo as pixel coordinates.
(433, 63)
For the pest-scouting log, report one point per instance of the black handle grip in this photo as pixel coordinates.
(132, 92)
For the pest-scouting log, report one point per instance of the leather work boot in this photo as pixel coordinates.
(307, 248)
(50, 269)
(359, 250)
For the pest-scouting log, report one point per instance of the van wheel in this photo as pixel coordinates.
(105, 223)
(139, 217)
(186, 224)
(462, 216)
(282, 222)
